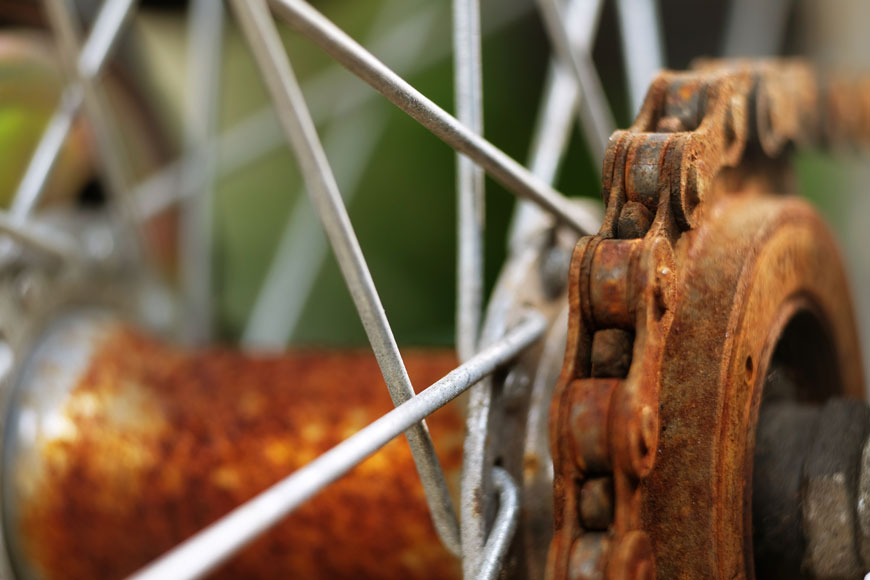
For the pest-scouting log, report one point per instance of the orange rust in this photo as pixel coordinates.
(214, 428)
(691, 298)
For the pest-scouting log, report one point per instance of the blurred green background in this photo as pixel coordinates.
(404, 210)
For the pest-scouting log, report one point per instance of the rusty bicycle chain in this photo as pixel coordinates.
(694, 129)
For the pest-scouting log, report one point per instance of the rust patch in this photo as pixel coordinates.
(671, 312)
(213, 429)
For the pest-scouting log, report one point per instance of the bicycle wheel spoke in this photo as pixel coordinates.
(596, 119)
(83, 70)
(329, 94)
(302, 248)
(206, 21)
(351, 141)
(640, 29)
(468, 87)
(45, 156)
(261, 34)
(210, 547)
(256, 135)
(104, 35)
(348, 52)
(755, 28)
(553, 126)
(51, 242)
(110, 20)
(504, 526)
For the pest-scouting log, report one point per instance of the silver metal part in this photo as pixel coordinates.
(302, 247)
(37, 414)
(329, 95)
(203, 552)
(509, 331)
(48, 241)
(756, 28)
(503, 528)
(596, 120)
(553, 126)
(350, 141)
(496, 163)
(640, 28)
(498, 419)
(49, 311)
(205, 38)
(261, 34)
(47, 152)
(83, 70)
(528, 251)
(105, 32)
(537, 474)
(468, 89)
(97, 48)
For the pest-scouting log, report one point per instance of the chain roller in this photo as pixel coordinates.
(695, 128)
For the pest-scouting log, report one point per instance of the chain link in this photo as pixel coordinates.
(723, 119)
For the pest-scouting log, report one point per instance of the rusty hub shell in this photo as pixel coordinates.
(140, 445)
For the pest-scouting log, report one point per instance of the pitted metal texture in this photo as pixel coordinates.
(699, 250)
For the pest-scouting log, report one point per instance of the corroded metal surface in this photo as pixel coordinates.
(155, 443)
(677, 306)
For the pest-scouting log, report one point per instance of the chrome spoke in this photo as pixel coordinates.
(596, 119)
(52, 242)
(83, 70)
(553, 126)
(755, 28)
(207, 549)
(329, 94)
(640, 28)
(468, 87)
(503, 528)
(302, 248)
(206, 22)
(348, 52)
(262, 36)
(105, 32)
(351, 141)
(96, 50)
(47, 152)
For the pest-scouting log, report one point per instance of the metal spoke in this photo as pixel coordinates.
(329, 94)
(503, 528)
(348, 52)
(596, 119)
(756, 28)
(553, 126)
(302, 248)
(46, 155)
(206, 550)
(351, 141)
(51, 242)
(206, 23)
(468, 87)
(640, 28)
(105, 32)
(261, 33)
(83, 70)
(102, 39)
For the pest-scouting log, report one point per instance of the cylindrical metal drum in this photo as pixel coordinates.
(118, 447)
